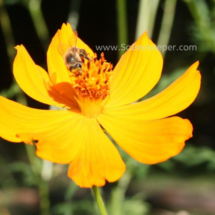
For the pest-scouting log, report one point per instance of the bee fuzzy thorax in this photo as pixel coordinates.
(93, 82)
(74, 58)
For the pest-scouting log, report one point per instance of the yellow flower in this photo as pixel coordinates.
(99, 98)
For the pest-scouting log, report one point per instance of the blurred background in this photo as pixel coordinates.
(183, 185)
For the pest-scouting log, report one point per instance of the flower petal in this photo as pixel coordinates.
(55, 130)
(31, 77)
(67, 35)
(137, 72)
(148, 142)
(56, 66)
(63, 137)
(97, 160)
(175, 98)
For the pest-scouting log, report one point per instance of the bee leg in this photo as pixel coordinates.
(70, 68)
(84, 56)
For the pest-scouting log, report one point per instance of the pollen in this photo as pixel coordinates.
(93, 80)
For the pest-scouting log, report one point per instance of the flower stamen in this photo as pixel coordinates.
(93, 82)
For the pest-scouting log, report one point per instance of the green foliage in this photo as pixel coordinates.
(195, 156)
(11, 92)
(135, 207)
(191, 157)
(25, 171)
(17, 171)
(203, 31)
(83, 207)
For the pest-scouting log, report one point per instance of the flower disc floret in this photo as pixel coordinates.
(94, 80)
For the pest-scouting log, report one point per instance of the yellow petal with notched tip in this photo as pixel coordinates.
(148, 142)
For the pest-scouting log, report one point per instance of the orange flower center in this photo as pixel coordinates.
(91, 84)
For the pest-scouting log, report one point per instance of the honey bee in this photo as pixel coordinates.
(73, 56)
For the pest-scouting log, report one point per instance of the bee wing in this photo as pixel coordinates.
(62, 48)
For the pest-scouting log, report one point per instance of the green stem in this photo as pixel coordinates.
(116, 200)
(35, 164)
(167, 23)
(34, 7)
(44, 196)
(10, 43)
(142, 18)
(146, 17)
(7, 31)
(41, 183)
(99, 201)
(118, 194)
(74, 12)
(122, 25)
